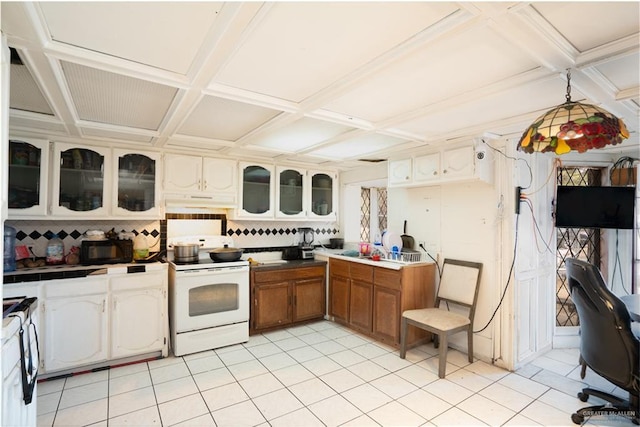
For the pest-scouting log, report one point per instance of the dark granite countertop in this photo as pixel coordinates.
(280, 264)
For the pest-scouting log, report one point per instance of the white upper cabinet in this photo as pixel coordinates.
(28, 173)
(98, 182)
(458, 163)
(291, 192)
(80, 177)
(136, 187)
(471, 162)
(399, 172)
(324, 195)
(200, 179)
(286, 192)
(257, 191)
(426, 168)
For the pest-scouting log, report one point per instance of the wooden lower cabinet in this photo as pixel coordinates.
(285, 296)
(371, 299)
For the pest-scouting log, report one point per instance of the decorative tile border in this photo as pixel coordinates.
(36, 234)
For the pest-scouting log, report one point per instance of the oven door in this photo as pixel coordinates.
(205, 298)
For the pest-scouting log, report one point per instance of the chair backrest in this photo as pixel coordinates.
(607, 343)
(459, 284)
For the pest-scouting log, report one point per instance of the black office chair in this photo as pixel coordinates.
(607, 343)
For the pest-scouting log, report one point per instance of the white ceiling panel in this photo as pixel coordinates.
(535, 97)
(165, 35)
(104, 97)
(469, 61)
(300, 48)
(622, 72)
(121, 136)
(324, 83)
(587, 25)
(358, 146)
(221, 118)
(24, 93)
(301, 134)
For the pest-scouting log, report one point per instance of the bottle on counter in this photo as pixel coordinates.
(55, 251)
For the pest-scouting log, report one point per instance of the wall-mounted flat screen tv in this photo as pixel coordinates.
(595, 207)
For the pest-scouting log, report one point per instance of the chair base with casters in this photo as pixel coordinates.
(442, 324)
(608, 344)
(615, 406)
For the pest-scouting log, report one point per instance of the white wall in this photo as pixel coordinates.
(458, 221)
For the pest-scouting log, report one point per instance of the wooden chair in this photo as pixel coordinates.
(454, 310)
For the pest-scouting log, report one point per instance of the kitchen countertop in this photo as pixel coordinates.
(280, 264)
(64, 271)
(393, 265)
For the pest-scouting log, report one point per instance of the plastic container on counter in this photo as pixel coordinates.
(55, 251)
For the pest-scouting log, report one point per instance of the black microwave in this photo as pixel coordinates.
(108, 251)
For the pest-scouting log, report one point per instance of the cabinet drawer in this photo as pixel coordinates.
(388, 278)
(288, 274)
(362, 272)
(339, 267)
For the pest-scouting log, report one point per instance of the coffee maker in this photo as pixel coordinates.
(306, 242)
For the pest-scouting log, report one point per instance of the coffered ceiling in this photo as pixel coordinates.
(323, 83)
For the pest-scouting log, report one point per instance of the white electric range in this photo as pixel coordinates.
(208, 301)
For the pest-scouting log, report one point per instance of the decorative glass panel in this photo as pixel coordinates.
(81, 180)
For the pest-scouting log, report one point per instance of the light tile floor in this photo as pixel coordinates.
(321, 374)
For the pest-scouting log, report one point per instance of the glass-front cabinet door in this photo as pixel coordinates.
(290, 192)
(136, 189)
(79, 180)
(323, 195)
(27, 186)
(256, 190)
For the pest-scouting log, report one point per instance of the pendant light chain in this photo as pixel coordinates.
(568, 96)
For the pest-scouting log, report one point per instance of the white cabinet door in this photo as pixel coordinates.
(426, 168)
(182, 173)
(82, 178)
(138, 320)
(323, 198)
(400, 172)
(458, 163)
(136, 189)
(220, 179)
(291, 195)
(76, 331)
(256, 191)
(28, 177)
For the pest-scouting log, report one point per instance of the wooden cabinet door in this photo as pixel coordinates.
(308, 299)
(272, 305)
(386, 314)
(339, 302)
(360, 305)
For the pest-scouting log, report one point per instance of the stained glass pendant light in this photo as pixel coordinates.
(573, 126)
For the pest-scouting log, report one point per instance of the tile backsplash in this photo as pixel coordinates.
(246, 234)
(36, 234)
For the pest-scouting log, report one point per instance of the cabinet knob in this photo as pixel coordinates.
(444, 171)
(435, 172)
